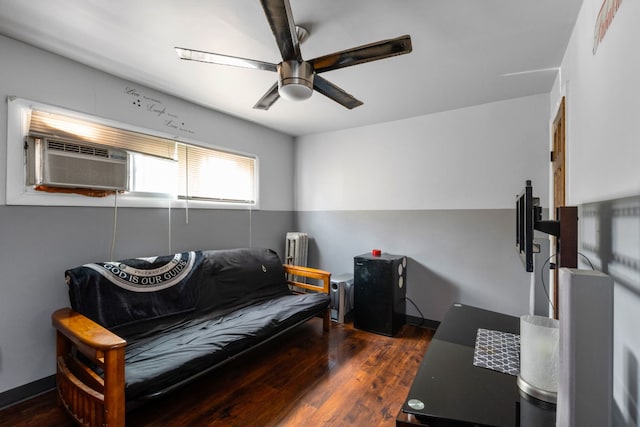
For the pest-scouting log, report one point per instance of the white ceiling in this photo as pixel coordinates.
(462, 50)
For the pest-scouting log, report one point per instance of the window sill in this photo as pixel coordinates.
(30, 197)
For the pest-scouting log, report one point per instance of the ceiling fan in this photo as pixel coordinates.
(298, 78)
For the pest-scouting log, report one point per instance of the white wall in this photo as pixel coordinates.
(37, 244)
(471, 158)
(439, 189)
(603, 163)
(602, 106)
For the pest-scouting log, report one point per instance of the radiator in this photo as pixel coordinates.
(296, 251)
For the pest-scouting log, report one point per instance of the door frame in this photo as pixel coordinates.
(559, 185)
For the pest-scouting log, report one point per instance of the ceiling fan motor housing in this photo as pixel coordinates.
(298, 79)
(295, 80)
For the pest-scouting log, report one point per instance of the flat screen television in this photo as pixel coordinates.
(527, 213)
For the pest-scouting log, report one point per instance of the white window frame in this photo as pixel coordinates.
(19, 193)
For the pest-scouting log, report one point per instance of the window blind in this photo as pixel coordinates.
(70, 128)
(205, 173)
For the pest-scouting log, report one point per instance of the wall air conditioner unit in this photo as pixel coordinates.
(63, 163)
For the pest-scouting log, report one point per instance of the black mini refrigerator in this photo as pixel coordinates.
(379, 293)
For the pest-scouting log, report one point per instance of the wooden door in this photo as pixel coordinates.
(558, 168)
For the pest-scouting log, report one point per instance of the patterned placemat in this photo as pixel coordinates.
(496, 350)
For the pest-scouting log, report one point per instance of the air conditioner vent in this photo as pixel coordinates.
(77, 148)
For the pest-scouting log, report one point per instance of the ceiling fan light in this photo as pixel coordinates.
(296, 80)
(295, 91)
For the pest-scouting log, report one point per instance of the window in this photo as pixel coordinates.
(152, 175)
(157, 165)
(208, 175)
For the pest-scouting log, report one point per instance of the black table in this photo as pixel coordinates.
(449, 390)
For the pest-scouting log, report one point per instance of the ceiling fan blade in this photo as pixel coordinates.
(366, 53)
(216, 58)
(332, 91)
(283, 27)
(537, 70)
(268, 98)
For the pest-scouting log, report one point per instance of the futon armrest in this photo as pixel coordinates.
(312, 273)
(83, 331)
(89, 398)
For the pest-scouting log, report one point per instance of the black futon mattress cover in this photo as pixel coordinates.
(235, 300)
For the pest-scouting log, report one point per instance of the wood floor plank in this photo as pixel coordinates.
(346, 377)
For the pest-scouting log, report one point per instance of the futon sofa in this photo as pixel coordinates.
(140, 328)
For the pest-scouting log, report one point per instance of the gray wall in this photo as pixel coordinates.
(453, 255)
(39, 243)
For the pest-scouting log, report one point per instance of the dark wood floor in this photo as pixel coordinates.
(346, 377)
